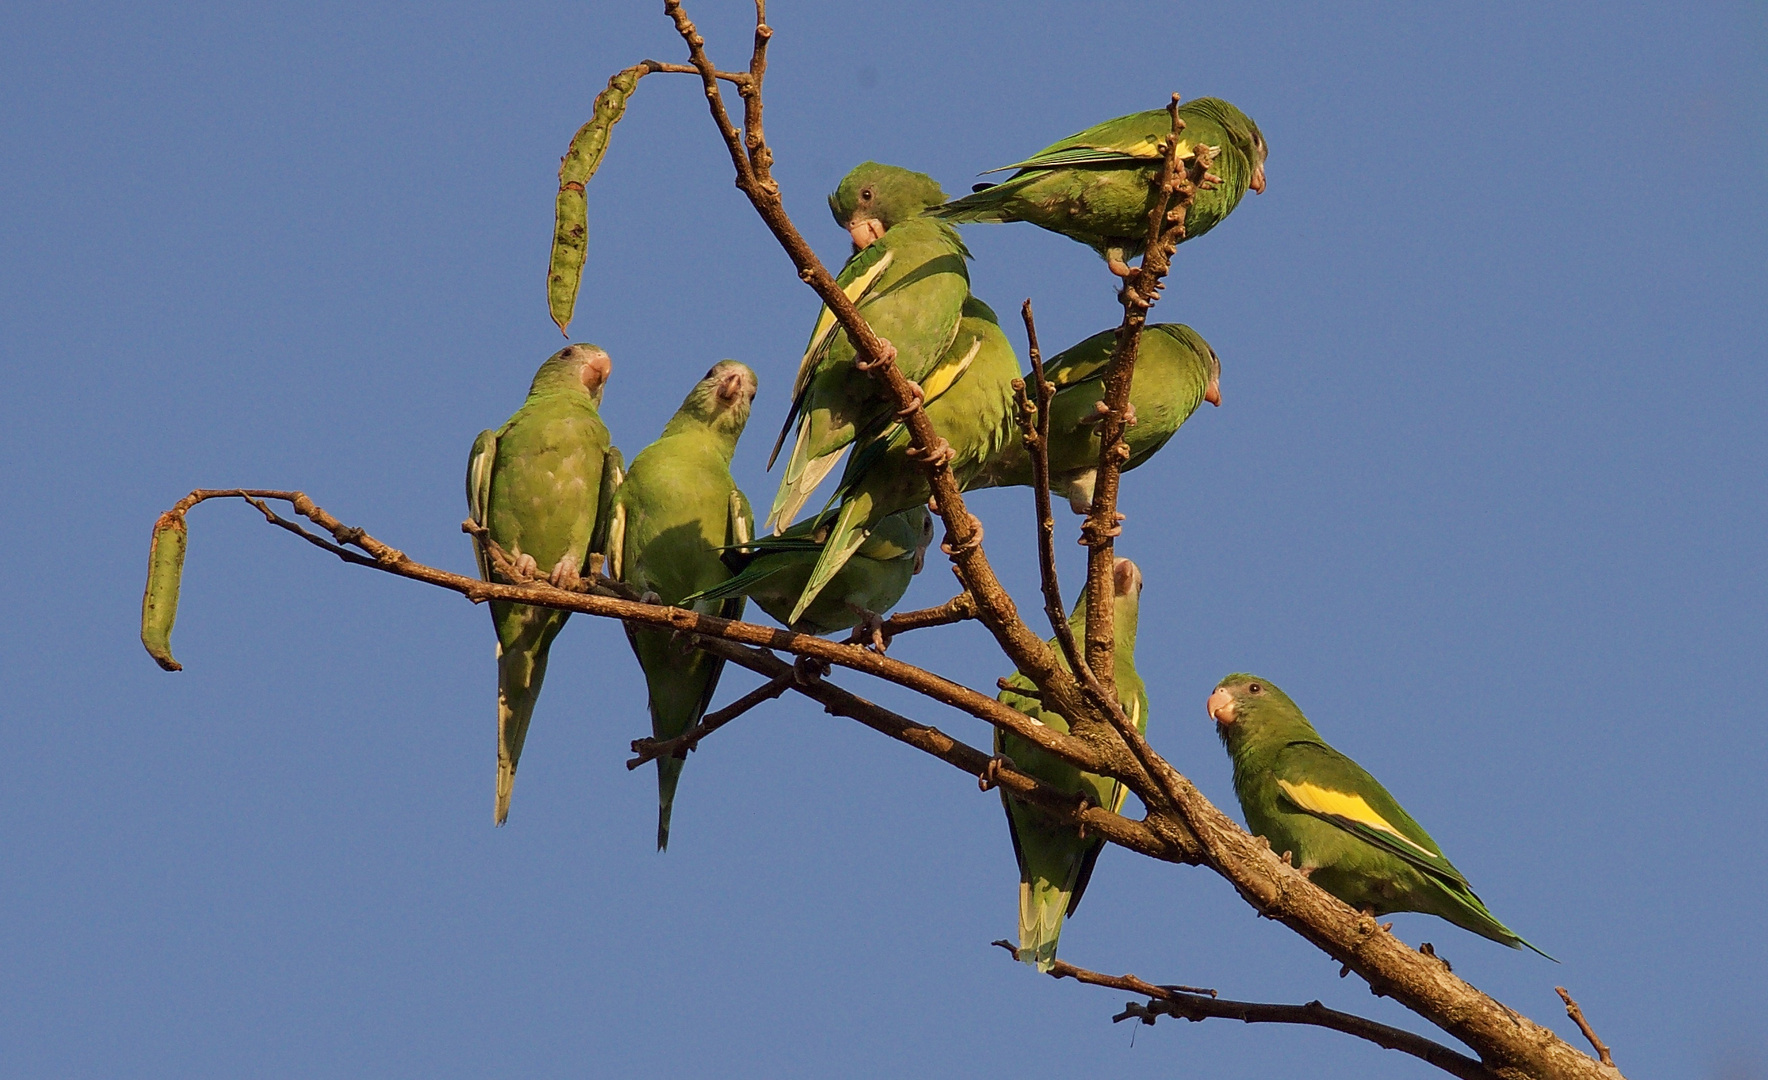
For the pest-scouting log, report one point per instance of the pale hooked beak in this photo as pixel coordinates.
(1214, 394)
(731, 387)
(1257, 183)
(1221, 706)
(865, 231)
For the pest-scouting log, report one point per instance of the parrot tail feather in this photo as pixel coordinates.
(848, 535)
(1041, 909)
(668, 776)
(519, 674)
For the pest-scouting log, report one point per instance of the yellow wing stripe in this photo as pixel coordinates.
(1149, 147)
(1318, 800)
(948, 373)
(825, 320)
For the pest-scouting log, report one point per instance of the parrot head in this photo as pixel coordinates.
(874, 197)
(722, 398)
(925, 539)
(1242, 132)
(1245, 707)
(574, 368)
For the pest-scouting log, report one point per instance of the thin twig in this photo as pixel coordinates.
(689, 740)
(1035, 432)
(1197, 1003)
(1062, 969)
(1313, 1014)
(1577, 1015)
(958, 609)
(736, 78)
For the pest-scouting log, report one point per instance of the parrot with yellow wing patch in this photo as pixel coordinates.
(969, 401)
(1340, 827)
(1176, 371)
(908, 277)
(1098, 186)
(1055, 861)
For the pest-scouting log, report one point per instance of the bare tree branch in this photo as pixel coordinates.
(689, 740)
(1034, 431)
(959, 608)
(1577, 1015)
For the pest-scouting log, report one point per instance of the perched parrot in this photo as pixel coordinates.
(540, 486)
(908, 277)
(1339, 826)
(969, 401)
(1098, 186)
(1055, 861)
(676, 510)
(1176, 371)
(772, 572)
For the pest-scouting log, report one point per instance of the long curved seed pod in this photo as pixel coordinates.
(159, 604)
(571, 216)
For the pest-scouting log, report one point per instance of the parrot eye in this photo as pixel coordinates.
(865, 194)
(1255, 688)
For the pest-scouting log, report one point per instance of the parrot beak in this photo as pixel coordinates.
(1221, 706)
(1257, 183)
(865, 231)
(1214, 394)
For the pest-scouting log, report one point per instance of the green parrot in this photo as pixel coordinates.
(969, 401)
(773, 570)
(1176, 371)
(1097, 186)
(1340, 827)
(540, 485)
(1055, 861)
(908, 277)
(675, 511)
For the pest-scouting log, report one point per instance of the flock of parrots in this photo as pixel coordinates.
(550, 489)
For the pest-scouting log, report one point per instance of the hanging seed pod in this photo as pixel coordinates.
(159, 604)
(571, 217)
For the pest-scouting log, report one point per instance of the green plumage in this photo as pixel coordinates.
(909, 279)
(774, 569)
(1055, 862)
(969, 401)
(536, 486)
(1339, 825)
(1176, 371)
(1097, 186)
(676, 511)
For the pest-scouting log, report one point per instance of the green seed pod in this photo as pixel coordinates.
(571, 214)
(159, 604)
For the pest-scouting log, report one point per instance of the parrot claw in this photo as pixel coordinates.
(888, 356)
(940, 453)
(954, 550)
(992, 771)
(649, 597)
(525, 567)
(920, 399)
(808, 670)
(1116, 265)
(565, 575)
(869, 631)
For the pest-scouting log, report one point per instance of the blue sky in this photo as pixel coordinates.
(1485, 495)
